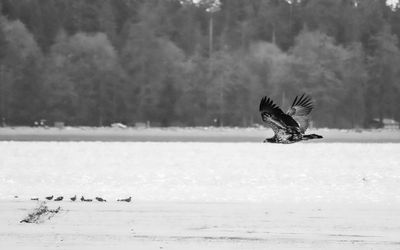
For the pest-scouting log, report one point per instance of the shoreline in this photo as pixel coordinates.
(196, 134)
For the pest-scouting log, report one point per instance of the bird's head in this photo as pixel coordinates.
(266, 116)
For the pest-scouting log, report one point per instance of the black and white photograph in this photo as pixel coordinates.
(199, 124)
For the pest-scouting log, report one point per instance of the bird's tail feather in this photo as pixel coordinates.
(311, 136)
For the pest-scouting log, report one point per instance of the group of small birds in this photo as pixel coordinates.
(60, 198)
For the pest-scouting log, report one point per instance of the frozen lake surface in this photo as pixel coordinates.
(202, 195)
(200, 225)
(210, 172)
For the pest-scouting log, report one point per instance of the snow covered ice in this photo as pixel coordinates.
(202, 195)
(303, 172)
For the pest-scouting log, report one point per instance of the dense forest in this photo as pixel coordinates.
(197, 63)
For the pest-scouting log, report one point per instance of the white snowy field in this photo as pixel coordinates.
(200, 225)
(211, 172)
(203, 195)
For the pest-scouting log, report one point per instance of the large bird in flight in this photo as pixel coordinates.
(288, 127)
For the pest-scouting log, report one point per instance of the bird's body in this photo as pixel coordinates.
(49, 197)
(60, 198)
(126, 200)
(73, 198)
(288, 127)
(100, 199)
(86, 200)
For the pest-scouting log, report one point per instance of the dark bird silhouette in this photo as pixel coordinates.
(34, 199)
(49, 197)
(86, 200)
(60, 198)
(126, 200)
(100, 199)
(288, 127)
(73, 198)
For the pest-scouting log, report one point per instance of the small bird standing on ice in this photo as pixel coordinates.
(87, 200)
(49, 197)
(73, 198)
(100, 199)
(60, 198)
(126, 200)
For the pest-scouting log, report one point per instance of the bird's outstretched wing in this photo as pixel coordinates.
(274, 116)
(300, 110)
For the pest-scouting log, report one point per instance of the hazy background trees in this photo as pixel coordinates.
(170, 62)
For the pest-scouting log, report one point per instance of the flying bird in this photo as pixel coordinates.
(288, 127)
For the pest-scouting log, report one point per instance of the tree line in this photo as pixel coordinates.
(185, 63)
